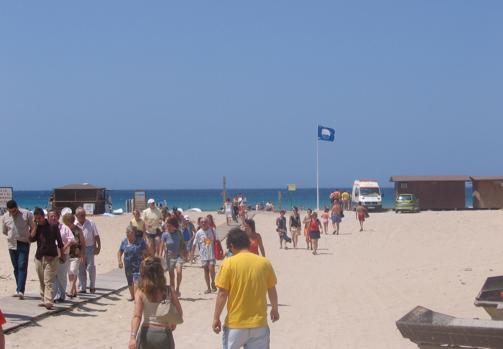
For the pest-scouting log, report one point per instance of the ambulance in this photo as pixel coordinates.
(368, 193)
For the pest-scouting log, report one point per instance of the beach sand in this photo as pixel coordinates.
(349, 296)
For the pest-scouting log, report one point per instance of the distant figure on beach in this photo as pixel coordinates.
(346, 202)
(235, 208)
(324, 218)
(295, 226)
(131, 252)
(48, 241)
(189, 232)
(314, 231)
(269, 206)
(228, 210)
(242, 213)
(361, 214)
(337, 214)
(307, 221)
(76, 254)
(17, 224)
(282, 230)
(153, 219)
(256, 243)
(174, 250)
(204, 241)
(92, 249)
(138, 223)
(62, 276)
(244, 282)
(152, 301)
(165, 214)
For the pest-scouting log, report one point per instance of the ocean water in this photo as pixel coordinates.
(211, 199)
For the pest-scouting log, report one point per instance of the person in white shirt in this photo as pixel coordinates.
(62, 275)
(93, 247)
(204, 240)
(152, 217)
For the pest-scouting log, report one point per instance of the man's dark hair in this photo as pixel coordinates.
(238, 239)
(38, 212)
(11, 204)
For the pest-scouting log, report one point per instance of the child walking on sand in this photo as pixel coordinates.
(306, 221)
(324, 217)
(314, 232)
(361, 214)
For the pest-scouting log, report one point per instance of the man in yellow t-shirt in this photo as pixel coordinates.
(345, 200)
(244, 281)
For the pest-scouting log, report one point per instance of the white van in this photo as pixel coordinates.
(368, 193)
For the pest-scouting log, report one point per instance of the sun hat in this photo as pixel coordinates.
(151, 201)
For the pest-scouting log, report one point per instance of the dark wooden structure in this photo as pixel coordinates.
(431, 330)
(487, 191)
(75, 195)
(434, 192)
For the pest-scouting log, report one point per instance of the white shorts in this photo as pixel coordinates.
(250, 338)
(73, 268)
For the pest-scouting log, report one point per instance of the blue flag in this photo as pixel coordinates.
(326, 134)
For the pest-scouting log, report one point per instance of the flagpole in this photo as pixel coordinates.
(317, 173)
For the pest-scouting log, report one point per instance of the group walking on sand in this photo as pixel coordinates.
(312, 226)
(156, 245)
(65, 251)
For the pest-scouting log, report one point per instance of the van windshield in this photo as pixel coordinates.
(369, 192)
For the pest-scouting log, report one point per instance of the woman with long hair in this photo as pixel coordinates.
(255, 238)
(152, 291)
(211, 222)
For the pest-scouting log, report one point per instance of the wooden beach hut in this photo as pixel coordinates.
(75, 195)
(434, 192)
(487, 191)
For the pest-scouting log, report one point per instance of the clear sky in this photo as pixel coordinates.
(161, 94)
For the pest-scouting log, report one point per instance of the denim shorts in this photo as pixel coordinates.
(208, 262)
(173, 262)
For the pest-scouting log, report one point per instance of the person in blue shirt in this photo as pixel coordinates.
(174, 250)
(130, 255)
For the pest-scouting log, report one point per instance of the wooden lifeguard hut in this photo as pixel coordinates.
(89, 196)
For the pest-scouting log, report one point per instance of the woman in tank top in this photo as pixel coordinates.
(255, 238)
(152, 290)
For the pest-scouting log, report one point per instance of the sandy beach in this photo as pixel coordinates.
(349, 296)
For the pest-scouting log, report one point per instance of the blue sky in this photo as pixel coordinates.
(175, 95)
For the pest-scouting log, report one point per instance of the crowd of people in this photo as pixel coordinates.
(156, 245)
(312, 227)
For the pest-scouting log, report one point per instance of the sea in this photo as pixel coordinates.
(211, 199)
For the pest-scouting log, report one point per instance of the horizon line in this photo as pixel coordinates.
(221, 189)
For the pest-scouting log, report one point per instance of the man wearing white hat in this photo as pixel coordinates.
(152, 217)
